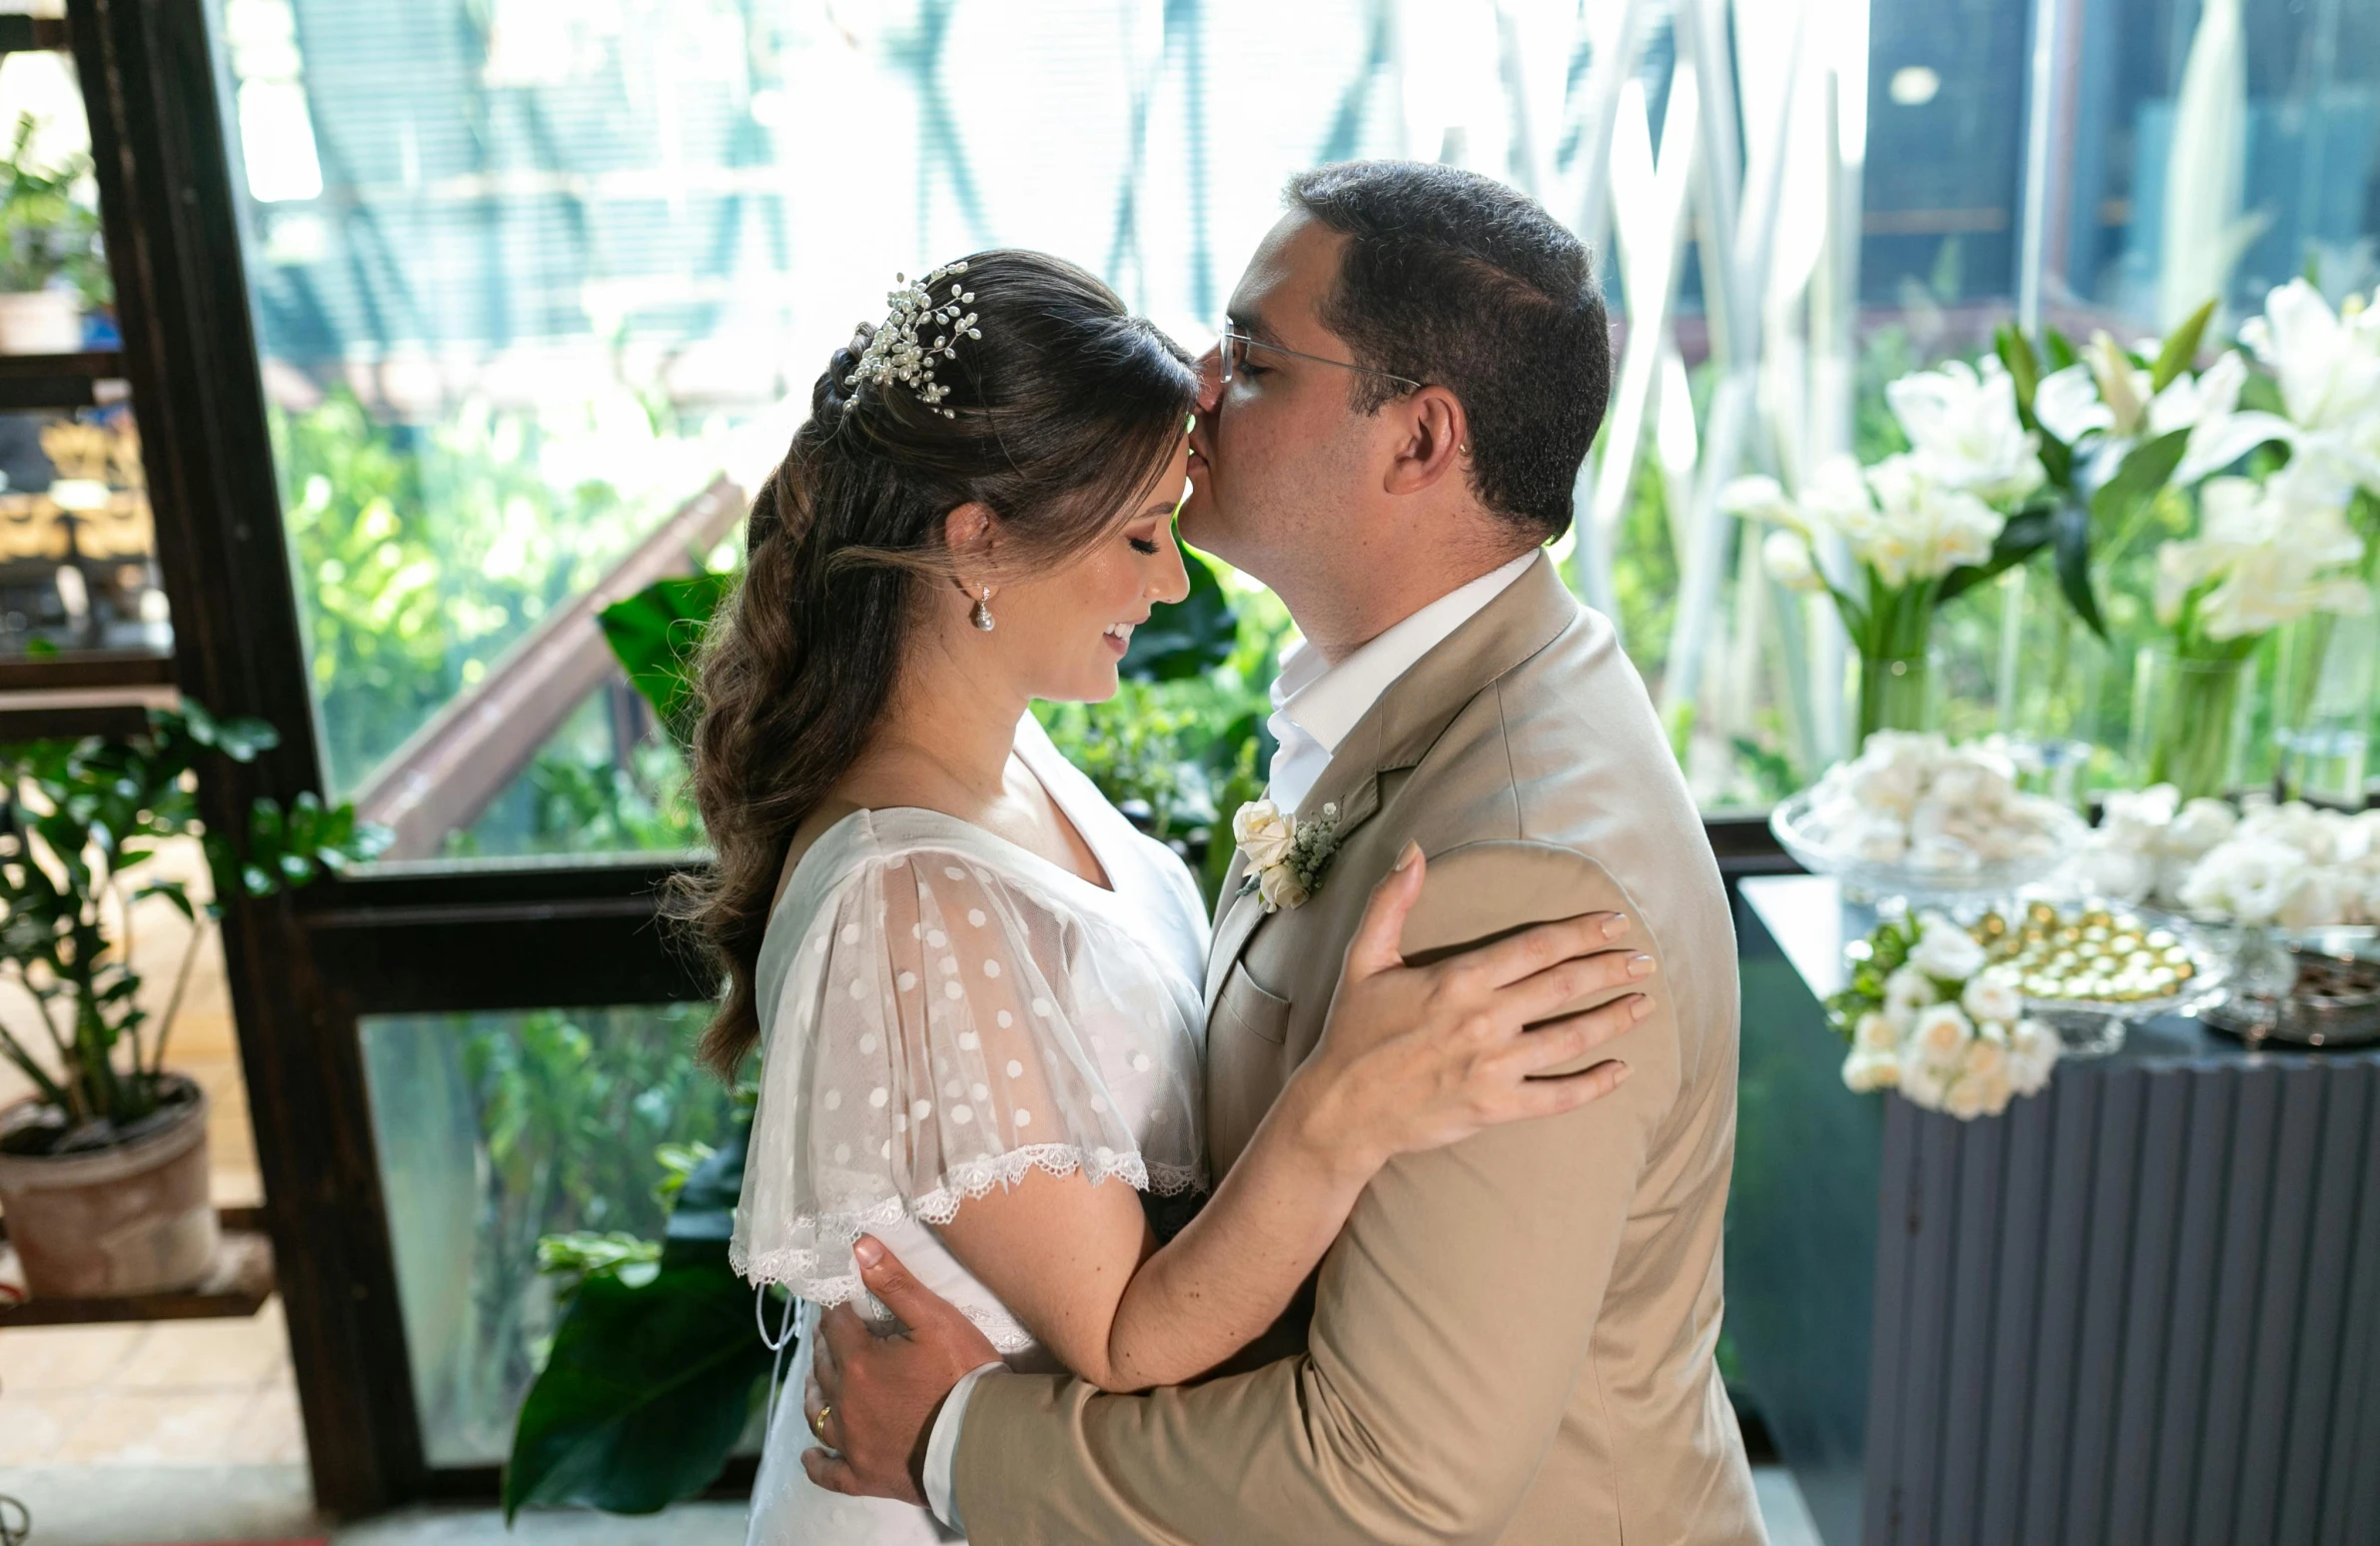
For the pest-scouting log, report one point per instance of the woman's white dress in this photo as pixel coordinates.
(941, 1012)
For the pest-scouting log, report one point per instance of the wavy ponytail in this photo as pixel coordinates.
(1063, 407)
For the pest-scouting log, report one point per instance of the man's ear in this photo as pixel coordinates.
(972, 533)
(1436, 439)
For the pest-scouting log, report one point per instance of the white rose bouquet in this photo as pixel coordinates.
(1921, 526)
(1925, 1015)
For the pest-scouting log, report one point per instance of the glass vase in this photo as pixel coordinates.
(2322, 698)
(2189, 719)
(2052, 670)
(1895, 693)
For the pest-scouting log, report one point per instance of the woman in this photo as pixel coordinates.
(977, 984)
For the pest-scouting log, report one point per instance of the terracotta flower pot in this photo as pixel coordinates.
(132, 1218)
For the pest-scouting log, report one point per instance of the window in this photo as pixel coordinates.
(529, 277)
(494, 1130)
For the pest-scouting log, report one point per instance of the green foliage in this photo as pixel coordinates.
(421, 555)
(44, 232)
(653, 1369)
(2181, 346)
(577, 798)
(1180, 756)
(570, 1107)
(578, 1254)
(83, 819)
(1188, 638)
(1872, 961)
(657, 634)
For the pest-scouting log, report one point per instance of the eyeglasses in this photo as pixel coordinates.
(1233, 345)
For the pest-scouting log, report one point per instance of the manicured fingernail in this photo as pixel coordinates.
(1411, 851)
(1639, 965)
(1620, 1077)
(1642, 1007)
(867, 1250)
(1614, 925)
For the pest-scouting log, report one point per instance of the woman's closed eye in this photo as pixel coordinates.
(1143, 545)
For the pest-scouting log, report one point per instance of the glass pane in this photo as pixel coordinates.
(2267, 167)
(78, 554)
(526, 277)
(497, 1128)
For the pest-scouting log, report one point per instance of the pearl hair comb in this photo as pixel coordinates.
(894, 352)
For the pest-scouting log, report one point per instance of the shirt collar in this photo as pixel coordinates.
(1326, 701)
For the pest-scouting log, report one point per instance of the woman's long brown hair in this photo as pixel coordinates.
(1065, 407)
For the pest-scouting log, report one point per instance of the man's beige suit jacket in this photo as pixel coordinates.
(1513, 1338)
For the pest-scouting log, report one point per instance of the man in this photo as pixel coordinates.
(1513, 1338)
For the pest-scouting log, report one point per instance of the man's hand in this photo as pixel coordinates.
(872, 1399)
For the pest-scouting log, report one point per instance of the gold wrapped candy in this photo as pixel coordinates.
(2095, 955)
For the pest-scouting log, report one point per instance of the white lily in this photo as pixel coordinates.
(2272, 555)
(2328, 366)
(2104, 400)
(1963, 425)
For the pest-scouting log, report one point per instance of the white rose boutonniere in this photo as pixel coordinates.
(1286, 858)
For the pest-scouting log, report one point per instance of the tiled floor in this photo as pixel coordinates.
(172, 1393)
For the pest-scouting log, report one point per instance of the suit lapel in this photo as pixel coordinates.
(1401, 728)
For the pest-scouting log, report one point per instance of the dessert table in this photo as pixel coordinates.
(2140, 1307)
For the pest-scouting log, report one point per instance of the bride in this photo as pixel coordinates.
(978, 988)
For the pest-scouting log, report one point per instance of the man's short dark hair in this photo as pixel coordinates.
(1456, 280)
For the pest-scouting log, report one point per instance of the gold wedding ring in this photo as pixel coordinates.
(818, 1428)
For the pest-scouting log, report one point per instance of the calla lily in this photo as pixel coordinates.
(1898, 517)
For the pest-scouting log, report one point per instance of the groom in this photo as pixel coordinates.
(1512, 1340)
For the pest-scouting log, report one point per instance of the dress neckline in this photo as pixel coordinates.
(1030, 745)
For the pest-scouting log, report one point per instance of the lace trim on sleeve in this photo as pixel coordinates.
(820, 1271)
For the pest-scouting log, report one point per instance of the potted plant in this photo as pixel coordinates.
(49, 257)
(103, 1170)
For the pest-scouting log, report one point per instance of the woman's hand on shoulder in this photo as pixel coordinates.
(1418, 1057)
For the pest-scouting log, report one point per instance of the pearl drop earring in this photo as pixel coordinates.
(982, 612)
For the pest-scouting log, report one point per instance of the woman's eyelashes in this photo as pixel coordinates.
(1145, 546)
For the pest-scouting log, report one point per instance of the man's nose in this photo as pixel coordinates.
(1210, 380)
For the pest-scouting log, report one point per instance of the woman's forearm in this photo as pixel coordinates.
(1230, 1273)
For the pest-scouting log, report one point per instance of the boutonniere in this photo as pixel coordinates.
(1286, 859)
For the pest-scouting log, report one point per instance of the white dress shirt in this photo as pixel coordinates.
(1315, 705)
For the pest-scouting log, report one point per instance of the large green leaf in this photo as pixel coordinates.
(2070, 534)
(2137, 479)
(1188, 638)
(2024, 367)
(655, 635)
(2022, 536)
(645, 1393)
(704, 1216)
(651, 1379)
(2181, 346)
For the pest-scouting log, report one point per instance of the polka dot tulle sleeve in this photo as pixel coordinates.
(941, 1029)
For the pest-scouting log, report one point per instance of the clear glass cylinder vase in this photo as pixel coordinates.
(2052, 671)
(2322, 703)
(1896, 692)
(2189, 721)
